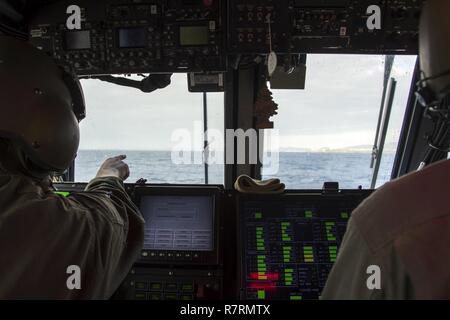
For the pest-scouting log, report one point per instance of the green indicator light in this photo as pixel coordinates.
(289, 270)
(263, 265)
(307, 247)
(261, 248)
(295, 298)
(258, 215)
(261, 256)
(261, 294)
(288, 283)
(344, 215)
(62, 193)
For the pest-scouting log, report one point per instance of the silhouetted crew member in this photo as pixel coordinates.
(41, 233)
(404, 227)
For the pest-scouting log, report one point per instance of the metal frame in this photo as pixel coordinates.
(413, 142)
(240, 89)
(383, 128)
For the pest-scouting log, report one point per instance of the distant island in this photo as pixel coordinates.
(388, 148)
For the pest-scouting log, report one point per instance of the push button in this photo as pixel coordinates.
(187, 287)
(155, 286)
(154, 296)
(171, 287)
(140, 296)
(140, 285)
(170, 296)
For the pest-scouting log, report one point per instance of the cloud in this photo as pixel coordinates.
(339, 107)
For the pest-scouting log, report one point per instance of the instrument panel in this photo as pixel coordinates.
(206, 243)
(134, 36)
(198, 36)
(289, 243)
(323, 26)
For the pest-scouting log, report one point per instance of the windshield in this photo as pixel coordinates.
(144, 126)
(327, 131)
(324, 133)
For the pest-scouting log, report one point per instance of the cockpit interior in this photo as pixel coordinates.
(207, 98)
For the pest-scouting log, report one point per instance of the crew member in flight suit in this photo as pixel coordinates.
(404, 227)
(43, 234)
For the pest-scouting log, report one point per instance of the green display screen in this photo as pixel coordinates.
(193, 35)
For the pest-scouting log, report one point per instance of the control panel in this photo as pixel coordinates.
(274, 247)
(197, 36)
(182, 255)
(402, 21)
(171, 284)
(324, 26)
(134, 36)
(258, 26)
(182, 225)
(290, 242)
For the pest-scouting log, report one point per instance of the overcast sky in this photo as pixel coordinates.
(338, 109)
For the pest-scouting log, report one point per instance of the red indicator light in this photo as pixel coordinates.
(262, 285)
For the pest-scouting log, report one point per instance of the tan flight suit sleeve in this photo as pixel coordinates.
(348, 277)
(42, 234)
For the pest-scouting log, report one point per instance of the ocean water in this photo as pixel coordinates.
(298, 170)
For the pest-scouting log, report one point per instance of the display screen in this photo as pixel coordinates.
(290, 245)
(78, 40)
(132, 38)
(178, 222)
(194, 35)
